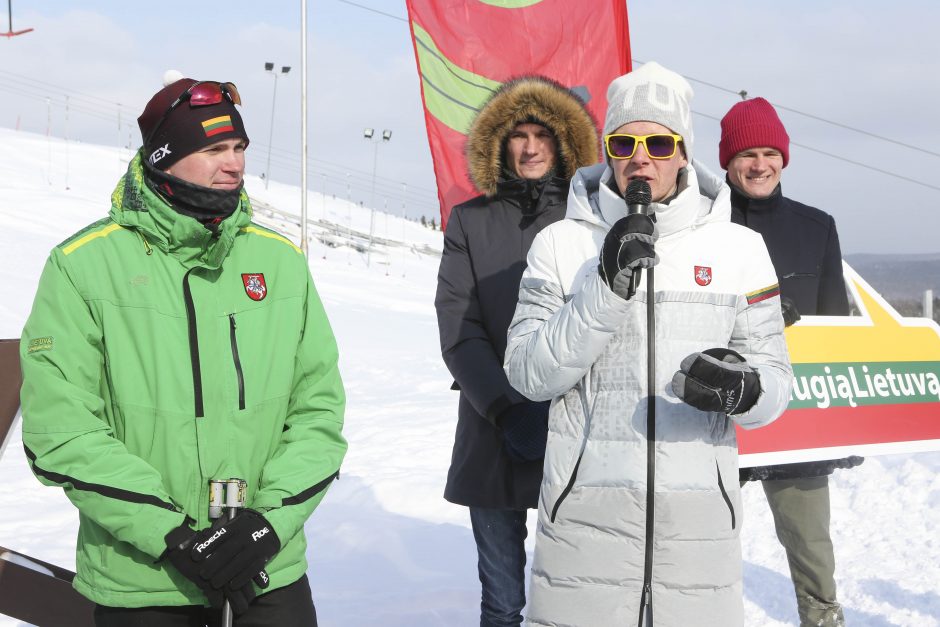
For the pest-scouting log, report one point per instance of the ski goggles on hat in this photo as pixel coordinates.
(201, 94)
(657, 145)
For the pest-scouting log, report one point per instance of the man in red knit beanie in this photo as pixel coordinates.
(804, 247)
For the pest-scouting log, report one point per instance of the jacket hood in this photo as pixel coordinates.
(524, 99)
(703, 197)
(135, 205)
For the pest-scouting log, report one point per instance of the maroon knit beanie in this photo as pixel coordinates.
(185, 129)
(752, 124)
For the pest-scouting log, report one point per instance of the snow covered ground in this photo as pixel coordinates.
(385, 548)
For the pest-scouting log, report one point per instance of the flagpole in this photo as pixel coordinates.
(303, 126)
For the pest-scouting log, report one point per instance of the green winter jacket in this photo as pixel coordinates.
(157, 357)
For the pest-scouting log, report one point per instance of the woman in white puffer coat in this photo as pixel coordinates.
(609, 551)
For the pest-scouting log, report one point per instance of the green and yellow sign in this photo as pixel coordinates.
(863, 385)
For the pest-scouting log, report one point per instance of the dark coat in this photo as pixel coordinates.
(804, 247)
(485, 249)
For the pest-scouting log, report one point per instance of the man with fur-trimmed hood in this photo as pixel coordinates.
(522, 149)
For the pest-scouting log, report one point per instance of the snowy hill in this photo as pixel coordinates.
(385, 548)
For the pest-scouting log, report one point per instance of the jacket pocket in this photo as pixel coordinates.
(564, 493)
(724, 494)
(238, 364)
(584, 406)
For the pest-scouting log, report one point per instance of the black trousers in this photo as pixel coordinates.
(290, 606)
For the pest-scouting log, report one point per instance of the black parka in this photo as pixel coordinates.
(804, 247)
(485, 247)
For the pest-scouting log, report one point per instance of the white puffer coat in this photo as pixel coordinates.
(575, 341)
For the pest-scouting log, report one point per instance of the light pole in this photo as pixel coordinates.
(303, 126)
(369, 134)
(269, 67)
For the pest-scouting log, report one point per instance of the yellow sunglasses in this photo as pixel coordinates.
(657, 145)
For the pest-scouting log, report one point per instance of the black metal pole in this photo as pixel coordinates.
(227, 616)
(646, 611)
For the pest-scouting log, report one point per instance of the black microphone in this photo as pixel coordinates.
(638, 198)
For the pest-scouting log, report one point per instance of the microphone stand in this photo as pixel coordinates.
(638, 197)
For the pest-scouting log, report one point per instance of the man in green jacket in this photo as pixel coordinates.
(174, 343)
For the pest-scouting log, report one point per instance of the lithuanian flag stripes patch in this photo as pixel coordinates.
(763, 294)
(221, 124)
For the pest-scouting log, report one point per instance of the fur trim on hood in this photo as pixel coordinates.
(524, 99)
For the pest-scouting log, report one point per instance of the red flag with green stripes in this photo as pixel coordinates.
(465, 49)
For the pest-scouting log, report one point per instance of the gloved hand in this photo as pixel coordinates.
(627, 247)
(790, 313)
(241, 598)
(179, 545)
(236, 554)
(717, 379)
(850, 462)
(798, 470)
(525, 430)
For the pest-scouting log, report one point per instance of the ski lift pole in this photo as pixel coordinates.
(226, 497)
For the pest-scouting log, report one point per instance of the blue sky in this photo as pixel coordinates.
(863, 64)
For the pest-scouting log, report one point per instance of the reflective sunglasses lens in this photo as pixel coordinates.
(202, 94)
(661, 146)
(621, 146)
(232, 92)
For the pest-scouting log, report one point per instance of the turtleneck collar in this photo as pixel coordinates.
(209, 206)
(744, 203)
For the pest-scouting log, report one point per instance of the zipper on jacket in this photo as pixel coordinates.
(564, 493)
(724, 494)
(646, 607)
(574, 473)
(146, 243)
(193, 344)
(650, 442)
(238, 363)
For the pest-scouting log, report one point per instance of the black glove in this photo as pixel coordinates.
(849, 462)
(789, 310)
(241, 598)
(525, 430)
(179, 544)
(236, 554)
(717, 379)
(627, 247)
(798, 470)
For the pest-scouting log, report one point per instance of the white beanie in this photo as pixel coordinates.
(651, 93)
